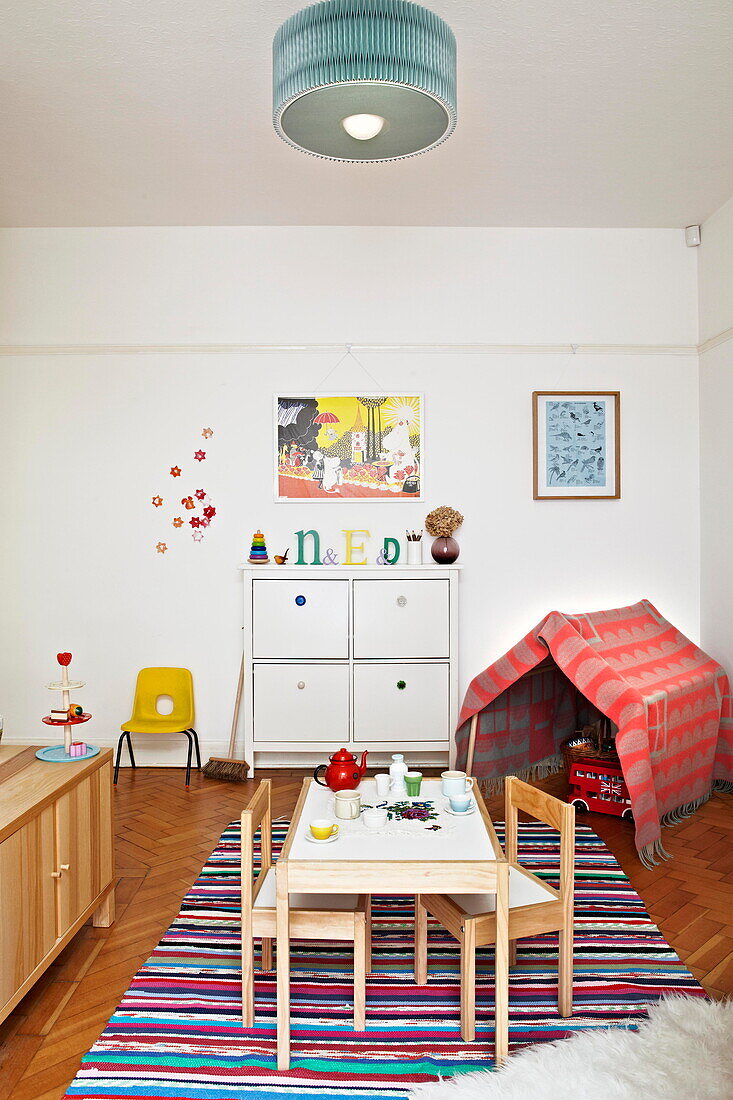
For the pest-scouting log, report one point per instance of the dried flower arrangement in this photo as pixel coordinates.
(443, 521)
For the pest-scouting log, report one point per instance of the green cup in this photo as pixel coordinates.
(413, 780)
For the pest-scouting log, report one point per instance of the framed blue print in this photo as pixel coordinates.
(577, 445)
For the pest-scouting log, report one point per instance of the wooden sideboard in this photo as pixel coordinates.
(350, 655)
(56, 861)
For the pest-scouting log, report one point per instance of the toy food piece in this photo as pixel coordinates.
(75, 711)
(78, 748)
(63, 659)
(59, 715)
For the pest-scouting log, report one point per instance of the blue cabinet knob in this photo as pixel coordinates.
(300, 600)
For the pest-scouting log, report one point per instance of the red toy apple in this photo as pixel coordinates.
(63, 658)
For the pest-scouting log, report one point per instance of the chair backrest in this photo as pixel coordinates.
(542, 807)
(154, 682)
(258, 813)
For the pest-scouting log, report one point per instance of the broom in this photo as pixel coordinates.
(225, 767)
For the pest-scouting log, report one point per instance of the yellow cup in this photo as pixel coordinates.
(322, 829)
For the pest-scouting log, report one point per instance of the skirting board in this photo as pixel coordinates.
(170, 752)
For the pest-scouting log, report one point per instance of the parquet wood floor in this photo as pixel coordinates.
(163, 836)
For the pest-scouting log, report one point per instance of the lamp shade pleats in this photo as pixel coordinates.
(364, 80)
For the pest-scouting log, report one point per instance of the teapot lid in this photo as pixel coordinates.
(342, 756)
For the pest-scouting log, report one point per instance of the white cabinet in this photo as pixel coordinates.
(300, 703)
(401, 618)
(357, 656)
(299, 619)
(411, 698)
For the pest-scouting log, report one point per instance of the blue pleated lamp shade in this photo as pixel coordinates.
(364, 80)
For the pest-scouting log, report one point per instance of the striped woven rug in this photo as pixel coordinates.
(177, 1032)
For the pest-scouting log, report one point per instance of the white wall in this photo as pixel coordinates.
(716, 436)
(88, 438)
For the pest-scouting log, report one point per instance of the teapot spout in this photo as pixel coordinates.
(363, 762)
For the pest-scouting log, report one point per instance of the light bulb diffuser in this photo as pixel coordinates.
(343, 58)
(363, 127)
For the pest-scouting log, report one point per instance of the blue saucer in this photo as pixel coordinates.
(56, 754)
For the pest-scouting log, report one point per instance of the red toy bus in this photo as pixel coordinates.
(599, 785)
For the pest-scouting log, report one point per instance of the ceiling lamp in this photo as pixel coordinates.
(364, 80)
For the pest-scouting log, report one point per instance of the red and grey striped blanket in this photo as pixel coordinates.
(670, 701)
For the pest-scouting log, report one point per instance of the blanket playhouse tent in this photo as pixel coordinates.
(670, 702)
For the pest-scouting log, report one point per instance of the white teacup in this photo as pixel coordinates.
(347, 805)
(375, 818)
(382, 781)
(456, 783)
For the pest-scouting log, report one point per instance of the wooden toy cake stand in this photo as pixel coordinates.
(61, 754)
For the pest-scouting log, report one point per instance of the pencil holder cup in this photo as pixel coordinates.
(414, 552)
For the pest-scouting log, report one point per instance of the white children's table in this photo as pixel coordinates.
(462, 857)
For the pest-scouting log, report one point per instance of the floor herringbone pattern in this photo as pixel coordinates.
(164, 835)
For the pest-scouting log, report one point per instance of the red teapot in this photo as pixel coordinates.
(343, 773)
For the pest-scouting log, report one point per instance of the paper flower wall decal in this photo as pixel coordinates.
(157, 501)
(196, 536)
(200, 494)
(178, 522)
(199, 455)
(195, 521)
(175, 471)
(161, 547)
(209, 511)
(207, 433)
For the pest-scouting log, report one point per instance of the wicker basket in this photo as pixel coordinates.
(582, 744)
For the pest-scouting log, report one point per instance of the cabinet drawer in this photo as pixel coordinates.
(301, 619)
(301, 703)
(384, 711)
(401, 618)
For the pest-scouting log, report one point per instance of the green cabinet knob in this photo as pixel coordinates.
(401, 685)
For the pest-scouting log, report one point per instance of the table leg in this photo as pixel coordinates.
(283, 966)
(501, 976)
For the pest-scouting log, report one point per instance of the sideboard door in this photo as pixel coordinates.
(73, 853)
(27, 901)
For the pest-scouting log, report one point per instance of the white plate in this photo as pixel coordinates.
(329, 839)
(460, 813)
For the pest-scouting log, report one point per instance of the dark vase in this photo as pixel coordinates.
(445, 550)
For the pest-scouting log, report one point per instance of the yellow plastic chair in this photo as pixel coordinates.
(151, 684)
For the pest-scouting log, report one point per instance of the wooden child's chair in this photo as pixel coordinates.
(534, 906)
(312, 916)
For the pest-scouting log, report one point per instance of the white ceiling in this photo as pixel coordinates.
(571, 113)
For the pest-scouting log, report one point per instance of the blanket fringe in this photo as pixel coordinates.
(687, 808)
(652, 854)
(549, 766)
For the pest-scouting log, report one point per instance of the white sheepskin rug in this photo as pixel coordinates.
(683, 1051)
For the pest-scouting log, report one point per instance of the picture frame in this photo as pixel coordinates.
(576, 442)
(355, 446)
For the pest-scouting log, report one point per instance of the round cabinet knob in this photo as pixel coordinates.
(300, 600)
(55, 874)
(401, 685)
(401, 601)
(301, 685)
(65, 866)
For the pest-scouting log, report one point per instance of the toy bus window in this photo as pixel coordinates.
(579, 774)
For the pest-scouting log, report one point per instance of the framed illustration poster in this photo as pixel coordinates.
(577, 445)
(348, 446)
